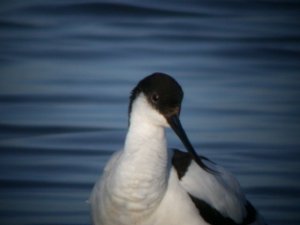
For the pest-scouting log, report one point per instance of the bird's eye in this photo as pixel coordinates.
(155, 98)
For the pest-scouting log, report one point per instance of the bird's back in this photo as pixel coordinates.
(214, 191)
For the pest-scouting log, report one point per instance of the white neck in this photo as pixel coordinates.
(146, 146)
(143, 164)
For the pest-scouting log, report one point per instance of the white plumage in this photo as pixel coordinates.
(143, 184)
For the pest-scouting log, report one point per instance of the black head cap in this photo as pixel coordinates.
(162, 91)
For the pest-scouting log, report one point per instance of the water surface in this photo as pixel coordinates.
(67, 68)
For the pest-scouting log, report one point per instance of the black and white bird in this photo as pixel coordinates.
(147, 184)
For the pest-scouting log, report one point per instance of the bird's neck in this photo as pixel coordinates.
(146, 148)
(143, 165)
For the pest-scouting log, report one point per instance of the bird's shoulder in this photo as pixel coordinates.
(214, 191)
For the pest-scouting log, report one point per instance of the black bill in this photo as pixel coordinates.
(175, 124)
(177, 128)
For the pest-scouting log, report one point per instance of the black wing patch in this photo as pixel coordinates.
(181, 162)
(214, 217)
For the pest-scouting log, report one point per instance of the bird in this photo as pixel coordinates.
(146, 183)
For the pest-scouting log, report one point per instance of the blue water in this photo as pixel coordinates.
(66, 71)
